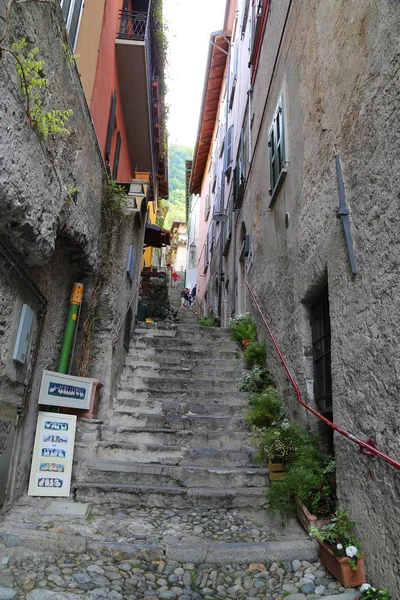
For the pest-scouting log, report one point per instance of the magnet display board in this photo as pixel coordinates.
(58, 389)
(52, 455)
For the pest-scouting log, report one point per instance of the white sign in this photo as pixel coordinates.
(58, 389)
(52, 455)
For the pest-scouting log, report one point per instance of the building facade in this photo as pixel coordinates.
(308, 219)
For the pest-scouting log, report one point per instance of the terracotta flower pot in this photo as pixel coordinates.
(307, 519)
(276, 471)
(339, 567)
(246, 343)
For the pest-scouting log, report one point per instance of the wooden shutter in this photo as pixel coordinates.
(116, 156)
(110, 127)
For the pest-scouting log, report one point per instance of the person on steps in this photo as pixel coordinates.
(175, 278)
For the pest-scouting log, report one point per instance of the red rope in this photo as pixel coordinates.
(363, 445)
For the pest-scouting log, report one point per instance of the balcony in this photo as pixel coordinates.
(132, 25)
(133, 55)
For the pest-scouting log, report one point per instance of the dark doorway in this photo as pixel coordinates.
(127, 330)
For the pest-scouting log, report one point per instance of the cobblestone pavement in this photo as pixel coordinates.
(109, 569)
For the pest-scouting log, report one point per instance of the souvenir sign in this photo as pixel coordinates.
(52, 455)
(58, 389)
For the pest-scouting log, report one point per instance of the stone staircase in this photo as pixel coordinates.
(176, 434)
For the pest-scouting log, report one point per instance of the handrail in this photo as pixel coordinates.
(365, 447)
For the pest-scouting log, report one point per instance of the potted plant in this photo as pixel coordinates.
(340, 551)
(305, 489)
(264, 408)
(279, 445)
(243, 329)
(255, 354)
(257, 380)
(370, 593)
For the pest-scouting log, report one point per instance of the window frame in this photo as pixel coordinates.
(277, 151)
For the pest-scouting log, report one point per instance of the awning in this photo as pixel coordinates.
(156, 236)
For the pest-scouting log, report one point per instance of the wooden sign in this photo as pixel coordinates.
(52, 455)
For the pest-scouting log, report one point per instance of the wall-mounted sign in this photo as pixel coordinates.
(52, 455)
(58, 389)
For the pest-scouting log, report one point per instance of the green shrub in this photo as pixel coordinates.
(374, 594)
(257, 380)
(244, 331)
(207, 322)
(305, 481)
(283, 440)
(264, 408)
(255, 354)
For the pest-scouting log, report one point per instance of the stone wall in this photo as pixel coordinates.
(337, 71)
(54, 240)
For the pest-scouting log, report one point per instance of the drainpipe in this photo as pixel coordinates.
(75, 304)
(15, 265)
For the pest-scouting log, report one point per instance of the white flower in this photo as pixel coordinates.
(351, 551)
(364, 587)
(339, 547)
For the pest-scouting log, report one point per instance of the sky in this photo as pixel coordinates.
(190, 23)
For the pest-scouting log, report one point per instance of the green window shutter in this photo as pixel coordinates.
(272, 158)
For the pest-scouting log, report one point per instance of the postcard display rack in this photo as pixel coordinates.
(55, 433)
(52, 455)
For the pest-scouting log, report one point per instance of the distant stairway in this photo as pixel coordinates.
(176, 435)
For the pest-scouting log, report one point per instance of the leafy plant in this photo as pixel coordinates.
(264, 408)
(283, 440)
(72, 193)
(114, 201)
(339, 536)
(257, 380)
(243, 331)
(207, 322)
(69, 56)
(305, 481)
(370, 593)
(255, 354)
(32, 86)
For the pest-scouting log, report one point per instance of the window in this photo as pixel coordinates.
(228, 226)
(239, 172)
(276, 147)
(229, 149)
(111, 124)
(116, 156)
(321, 344)
(207, 207)
(245, 15)
(233, 75)
(206, 253)
(72, 10)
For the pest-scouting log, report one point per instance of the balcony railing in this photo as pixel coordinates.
(132, 25)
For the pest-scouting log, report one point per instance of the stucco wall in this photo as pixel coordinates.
(337, 70)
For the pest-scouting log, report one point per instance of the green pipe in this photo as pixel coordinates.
(75, 300)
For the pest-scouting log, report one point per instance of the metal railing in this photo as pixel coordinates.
(132, 25)
(368, 447)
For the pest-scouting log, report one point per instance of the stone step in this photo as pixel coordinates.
(176, 497)
(176, 409)
(176, 371)
(178, 422)
(147, 395)
(184, 344)
(185, 331)
(105, 471)
(180, 385)
(163, 454)
(216, 440)
(172, 361)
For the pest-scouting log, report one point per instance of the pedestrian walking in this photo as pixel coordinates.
(175, 278)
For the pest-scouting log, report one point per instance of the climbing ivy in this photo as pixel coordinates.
(32, 85)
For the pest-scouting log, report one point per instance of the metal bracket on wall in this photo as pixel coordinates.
(343, 214)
